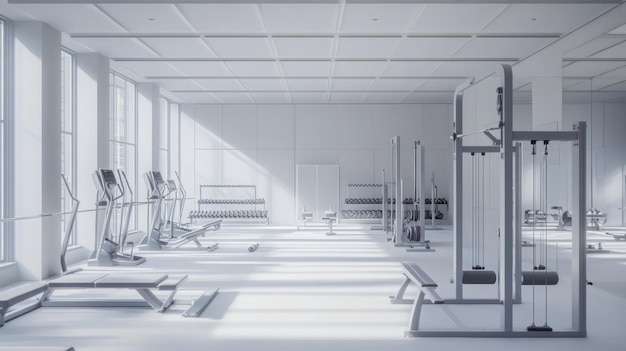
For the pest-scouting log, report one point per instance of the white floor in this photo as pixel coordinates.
(308, 291)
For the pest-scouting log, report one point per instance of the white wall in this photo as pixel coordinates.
(262, 144)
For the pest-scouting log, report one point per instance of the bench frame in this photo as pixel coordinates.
(6, 314)
(414, 274)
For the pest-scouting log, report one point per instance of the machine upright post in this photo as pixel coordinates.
(579, 231)
(457, 206)
(506, 197)
(398, 227)
(518, 224)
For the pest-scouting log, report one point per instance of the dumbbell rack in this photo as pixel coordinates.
(363, 203)
(230, 203)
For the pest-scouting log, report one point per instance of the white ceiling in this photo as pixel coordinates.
(318, 51)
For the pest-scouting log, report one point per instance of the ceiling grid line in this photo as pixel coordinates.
(333, 56)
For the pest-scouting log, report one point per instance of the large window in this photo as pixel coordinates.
(123, 137)
(164, 138)
(68, 135)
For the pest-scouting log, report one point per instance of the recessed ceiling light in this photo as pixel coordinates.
(374, 19)
(534, 19)
(151, 19)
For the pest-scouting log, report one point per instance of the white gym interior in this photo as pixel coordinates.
(335, 174)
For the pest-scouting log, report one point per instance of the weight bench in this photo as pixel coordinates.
(414, 274)
(192, 236)
(144, 284)
(16, 294)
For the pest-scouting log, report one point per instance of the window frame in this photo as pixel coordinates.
(113, 75)
(73, 138)
(7, 229)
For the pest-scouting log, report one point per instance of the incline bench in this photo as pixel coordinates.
(414, 274)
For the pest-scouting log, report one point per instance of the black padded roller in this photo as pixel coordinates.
(540, 277)
(479, 277)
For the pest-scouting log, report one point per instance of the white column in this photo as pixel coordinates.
(547, 103)
(147, 139)
(37, 148)
(92, 123)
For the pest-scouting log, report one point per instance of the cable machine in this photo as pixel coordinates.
(509, 274)
(408, 226)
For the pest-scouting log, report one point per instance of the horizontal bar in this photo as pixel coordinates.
(551, 136)
(43, 215)
(495, 334)
(480, 149)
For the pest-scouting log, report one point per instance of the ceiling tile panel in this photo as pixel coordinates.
(223, 18)
(429, 47)
(74, 18)
(219, 84)
(464, 69)
(179, 47)
(306, 69)
(148, 18)
(441, 84)
(177, 84)
(589, 69)
(303, 47)
(119, 47)
(618, 51)
(346, 97)
(152, 69)
(240, 47)
(386, 97)
(299, 18)
(197, 98)
(378, 18)
(456, 18)
(308, 97)
(262, 84)
(502, 47)
(397, 84)
(270, 98)
(359, 68)
(307, 84)
(417, 97)
(351, 84)
(230, 98)
(410, 69)
(254, 68)
(202, 68)
(544, 18)
(366, 47)
(590, 48)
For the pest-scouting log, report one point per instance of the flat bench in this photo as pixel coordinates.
(16, 294)
(144, 284)
(414, 274)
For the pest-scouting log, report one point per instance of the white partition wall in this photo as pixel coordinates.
(262, 144)
(317, 189)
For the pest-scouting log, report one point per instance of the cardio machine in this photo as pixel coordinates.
(108, 251)
(158, 190)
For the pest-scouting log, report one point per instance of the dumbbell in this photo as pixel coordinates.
(253, 247)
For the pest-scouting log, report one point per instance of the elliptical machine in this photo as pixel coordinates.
(108, 252)
(157, 191)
